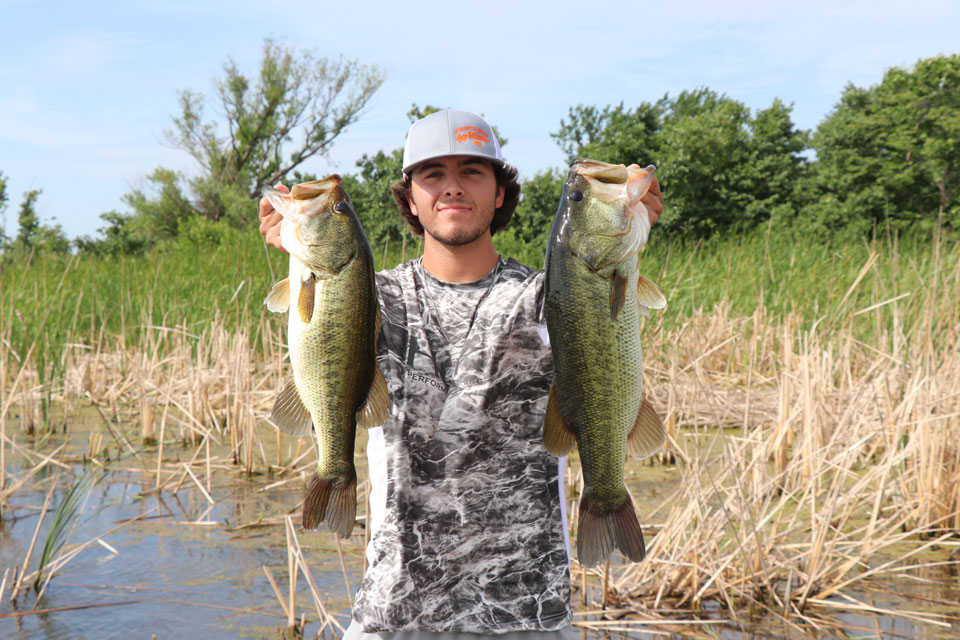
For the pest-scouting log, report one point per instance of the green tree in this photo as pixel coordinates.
(370, 191)
(123, 234)
(537, 208)
(268, 126)
(703, 156)
(613, 134)
(778, 165)
(28, 221)
(4, 198)
(34, 236)
(891, 153)
(719, 167)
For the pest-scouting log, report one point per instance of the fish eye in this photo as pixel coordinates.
(342, 207)
(576, 196)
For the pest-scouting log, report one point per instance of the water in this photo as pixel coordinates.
(168, 578)
(185, 568)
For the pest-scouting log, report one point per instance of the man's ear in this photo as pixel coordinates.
(413, 207)
(501, 192)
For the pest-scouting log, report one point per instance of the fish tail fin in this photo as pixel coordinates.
(334, 499)
(605, 527)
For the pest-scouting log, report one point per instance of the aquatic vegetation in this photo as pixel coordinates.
(808, 389)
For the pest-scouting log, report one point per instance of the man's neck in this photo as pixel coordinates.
(465, 263)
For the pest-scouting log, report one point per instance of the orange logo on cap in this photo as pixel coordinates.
(478, 136)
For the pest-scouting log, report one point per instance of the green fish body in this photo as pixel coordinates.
(334, 320)
(594, 297)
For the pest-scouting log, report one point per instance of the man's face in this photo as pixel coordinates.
(455, 197)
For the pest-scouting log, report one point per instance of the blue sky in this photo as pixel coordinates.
(88, 88)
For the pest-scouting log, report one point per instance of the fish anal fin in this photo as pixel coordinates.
(290, 414)
(649, 294)
(278, 300)
(618, 294)
(308, 288)
(558, 438)
(376, 408)
(648, 433)
(604, 527)
(334, 499)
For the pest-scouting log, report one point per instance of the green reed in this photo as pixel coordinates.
(51, 302)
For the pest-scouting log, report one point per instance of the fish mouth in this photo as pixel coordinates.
(316, 188)
(607, 182)
(602, 172)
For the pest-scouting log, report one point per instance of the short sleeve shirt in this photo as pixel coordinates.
(468, 529)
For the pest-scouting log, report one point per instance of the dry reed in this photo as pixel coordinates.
(812, 455)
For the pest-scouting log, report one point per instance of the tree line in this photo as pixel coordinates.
(886, 155)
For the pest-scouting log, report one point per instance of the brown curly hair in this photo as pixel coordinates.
(506, 177)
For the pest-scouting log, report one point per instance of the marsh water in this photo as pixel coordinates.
(177, 564)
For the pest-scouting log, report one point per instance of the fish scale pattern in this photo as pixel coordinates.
(471, 538)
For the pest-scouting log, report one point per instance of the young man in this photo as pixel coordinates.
(468, 523)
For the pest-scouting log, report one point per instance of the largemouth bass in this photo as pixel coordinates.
(334, 321)
(594, 297)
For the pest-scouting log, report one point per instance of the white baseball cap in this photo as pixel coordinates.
(450, 133)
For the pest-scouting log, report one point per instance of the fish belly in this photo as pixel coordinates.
(598, 387)
(333, 358)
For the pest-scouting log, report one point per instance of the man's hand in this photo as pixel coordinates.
(270, 220)
(653, 201)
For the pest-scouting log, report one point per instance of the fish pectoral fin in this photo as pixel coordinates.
(648, 433)
(278, 300)
(376, 408)
(558, 438)
(618, 294)
(308, 288)
(290, 414)
(649, 294)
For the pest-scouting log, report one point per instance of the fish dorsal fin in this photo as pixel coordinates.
(648, 433)
(278, 300)
(618, 294)
(308, 288)
(290, 414)
(649, 295)
(376, 408)
(558, 438)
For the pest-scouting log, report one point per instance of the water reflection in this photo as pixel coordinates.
(177, 565)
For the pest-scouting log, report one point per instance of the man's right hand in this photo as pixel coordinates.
(270, 220)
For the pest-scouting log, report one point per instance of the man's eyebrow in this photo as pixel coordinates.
(427, 166)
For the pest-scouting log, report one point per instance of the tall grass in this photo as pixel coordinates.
(835, 364)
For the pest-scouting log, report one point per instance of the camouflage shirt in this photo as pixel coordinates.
(467, 515)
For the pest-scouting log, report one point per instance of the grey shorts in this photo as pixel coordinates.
(355, 632)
